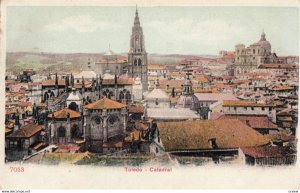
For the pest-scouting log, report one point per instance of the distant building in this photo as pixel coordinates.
(268, 156)
(23, 141)
(249, 58)
(231, 107)
(111, 63)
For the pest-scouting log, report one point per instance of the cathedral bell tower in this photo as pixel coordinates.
(137, 56)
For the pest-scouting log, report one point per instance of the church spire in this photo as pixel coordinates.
(136, 19)
(263, 36)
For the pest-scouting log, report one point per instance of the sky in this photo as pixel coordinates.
(167, 30)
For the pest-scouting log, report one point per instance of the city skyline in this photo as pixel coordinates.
(167, 30)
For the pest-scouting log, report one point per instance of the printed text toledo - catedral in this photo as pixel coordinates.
(150, 169)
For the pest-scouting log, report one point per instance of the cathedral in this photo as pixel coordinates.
(250, 58)
(90, 108)
(137, 56)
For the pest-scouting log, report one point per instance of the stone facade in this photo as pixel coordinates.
(137, 56)
(101, 124)
(249, 58)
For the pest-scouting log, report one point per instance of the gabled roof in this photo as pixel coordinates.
(157, 94)
(27, 131)
(63, 114)
(195, 135)
(105, 103)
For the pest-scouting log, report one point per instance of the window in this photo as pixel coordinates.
(263, 108)
(252, 108)
(61, 131)
(156, 101)
(270, 108)
(245, 108)
(234, 108)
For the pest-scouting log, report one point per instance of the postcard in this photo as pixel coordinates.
(149, 95)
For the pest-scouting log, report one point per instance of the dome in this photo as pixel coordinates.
(109, 52)
(188, 101)
(263, 41)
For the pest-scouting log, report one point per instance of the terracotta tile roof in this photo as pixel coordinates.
(25, 104)
(195, 135)
(229, 55)
(171, 83)
(70, 148)
(240, 103)
(63, 114)
(201, 78)
(215, 97)
(156, 67)
(256, 122)
(136, 109)
(279, 66)
(27, 131)
(105, 103)
(10, 111)
(268, 152)
(282, 137)
(52, 83)
(281, 88)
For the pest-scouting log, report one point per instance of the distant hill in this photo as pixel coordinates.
(44, 62)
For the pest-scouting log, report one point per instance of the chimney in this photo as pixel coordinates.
(213, 143)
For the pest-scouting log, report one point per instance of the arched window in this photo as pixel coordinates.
(61, 131)
(75, 132)
(96, 120)
(110, 94)
(52, 94)
(128, 95)
(46, 96)
(121, 95)
(135, 62)
(139, 62)
(73, 106)
(113, 120)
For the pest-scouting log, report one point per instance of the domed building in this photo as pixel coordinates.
(158, 98)
(187, 98)
(251, 57)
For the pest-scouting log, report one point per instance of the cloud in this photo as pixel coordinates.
(207, 32)
(80, 24)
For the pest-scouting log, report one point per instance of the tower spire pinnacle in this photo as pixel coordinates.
(136, 10)
(136, 19)
(263, 35)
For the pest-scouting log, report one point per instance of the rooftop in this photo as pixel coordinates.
(240, 103)
(63, 114)
(105, 103)
(229, 134)
(27, 131)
